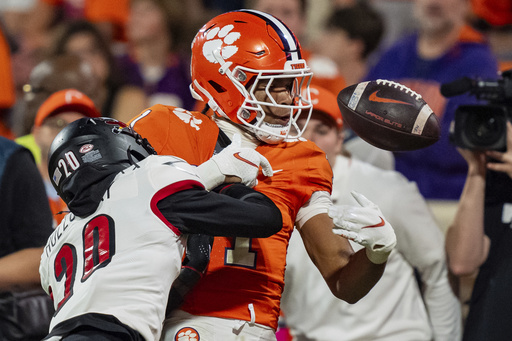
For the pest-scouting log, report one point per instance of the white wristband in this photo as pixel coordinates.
(211, 175)
(377, 257)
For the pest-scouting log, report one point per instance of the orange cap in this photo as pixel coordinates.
(325, 101)
(66, 100)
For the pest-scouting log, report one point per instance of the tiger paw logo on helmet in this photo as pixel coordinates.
(220, 39)
(187, 334)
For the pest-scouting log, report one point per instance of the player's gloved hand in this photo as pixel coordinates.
(234, 161)
(365, 225)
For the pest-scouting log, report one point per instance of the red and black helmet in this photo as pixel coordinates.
(92, 148)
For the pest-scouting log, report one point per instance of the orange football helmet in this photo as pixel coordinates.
(236, 51)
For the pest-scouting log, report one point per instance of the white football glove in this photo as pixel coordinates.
(234, 160)
(365, 225)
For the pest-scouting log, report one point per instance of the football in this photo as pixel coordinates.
(389, 115)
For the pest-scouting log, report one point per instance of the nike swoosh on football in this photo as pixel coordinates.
(382, 223)
(374, 98)
(237, 155)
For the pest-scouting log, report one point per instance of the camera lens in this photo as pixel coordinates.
(484, 130)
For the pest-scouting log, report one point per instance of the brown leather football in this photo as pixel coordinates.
(389, 115)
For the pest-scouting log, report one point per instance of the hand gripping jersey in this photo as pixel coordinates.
(245, 276)
(109, 251)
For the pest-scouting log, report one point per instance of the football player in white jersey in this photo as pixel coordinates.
(110, 264)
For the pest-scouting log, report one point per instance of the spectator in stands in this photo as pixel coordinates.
(444, 48)
(398, 20)
(351, 34)
(51, 75)
(60, 109)
(153, 61)
(478, 241)
(44, 18)
(109, 16)
(116, 99)
(25, 225)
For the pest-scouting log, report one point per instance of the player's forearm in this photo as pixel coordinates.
(356, 278)
(240, 212)
(20, 269)
(465, 239)
(350, 275)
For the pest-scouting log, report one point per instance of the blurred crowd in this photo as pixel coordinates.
(138, 50)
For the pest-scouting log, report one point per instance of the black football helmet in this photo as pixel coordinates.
(90, 150)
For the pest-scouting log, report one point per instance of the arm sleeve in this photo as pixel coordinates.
(318, 203)
(236, 211)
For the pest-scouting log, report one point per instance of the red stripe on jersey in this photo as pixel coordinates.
(169, 190)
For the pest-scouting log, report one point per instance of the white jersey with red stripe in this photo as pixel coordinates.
(122, 259)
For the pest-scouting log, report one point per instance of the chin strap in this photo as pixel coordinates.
(130, 157)
(267, 137)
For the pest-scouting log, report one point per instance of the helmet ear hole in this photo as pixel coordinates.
(219, 88)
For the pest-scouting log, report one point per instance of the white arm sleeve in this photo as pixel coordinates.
(442, 305)
(318, 203)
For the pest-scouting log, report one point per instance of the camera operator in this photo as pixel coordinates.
(480, 239)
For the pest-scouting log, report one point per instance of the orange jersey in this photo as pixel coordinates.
(189, 135)
(244, 273)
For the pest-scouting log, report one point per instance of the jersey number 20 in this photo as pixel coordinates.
(98, 239)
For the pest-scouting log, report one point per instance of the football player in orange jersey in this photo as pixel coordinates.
(247, 66)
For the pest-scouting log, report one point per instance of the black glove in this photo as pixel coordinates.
(194, 265)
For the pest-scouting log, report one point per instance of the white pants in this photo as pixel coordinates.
(183, 326)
